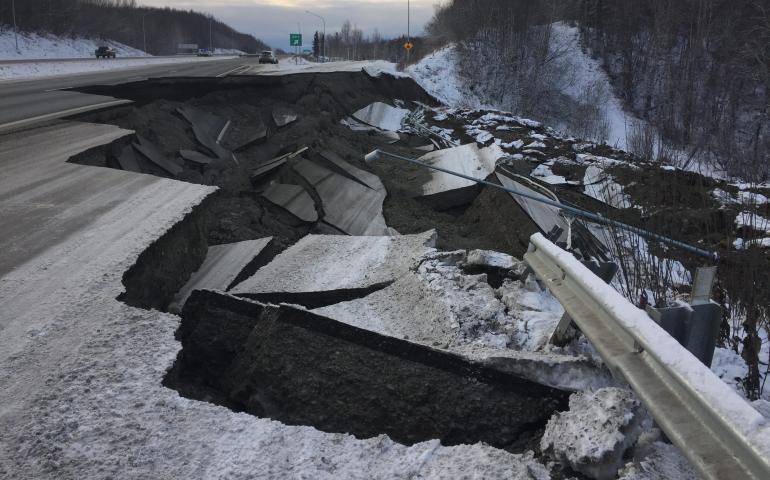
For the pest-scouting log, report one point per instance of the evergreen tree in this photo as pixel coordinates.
(316, 46)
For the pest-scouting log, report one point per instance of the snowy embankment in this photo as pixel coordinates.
(33, 46)
(585, 79)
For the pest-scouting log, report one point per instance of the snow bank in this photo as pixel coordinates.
(35, 46)
(437, 75)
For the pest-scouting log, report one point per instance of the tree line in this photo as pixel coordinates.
(160, 29)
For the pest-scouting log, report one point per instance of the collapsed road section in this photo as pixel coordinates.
(320, 317)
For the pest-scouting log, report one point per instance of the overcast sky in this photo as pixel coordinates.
(273, 20)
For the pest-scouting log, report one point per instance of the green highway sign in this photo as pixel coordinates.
(295, 39)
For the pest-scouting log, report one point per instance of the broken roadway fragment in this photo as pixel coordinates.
(129, 161)
(208, 130)
(283, 116)
(382, 116)
(272, 164)
(294, 199)
(151, 152)
(348, 205)
(195, 157)
(300, 368)
(363, 177)
(222, 266)
(325, 269)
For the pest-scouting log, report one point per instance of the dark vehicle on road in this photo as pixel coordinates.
(268, 57)
(105, 52)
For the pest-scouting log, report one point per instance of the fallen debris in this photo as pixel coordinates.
(208, 130)
(294, 199)
(153, 154)
(595, 433)
(283, 116)
(220, 269)
(318, 267)
(349, 206)
(382, 116)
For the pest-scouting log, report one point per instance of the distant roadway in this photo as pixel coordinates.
(27, 101)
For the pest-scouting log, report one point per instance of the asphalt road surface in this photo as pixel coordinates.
(23, 102)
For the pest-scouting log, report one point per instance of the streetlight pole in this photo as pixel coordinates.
(144, 32)
(324, 37)
(408, 29)
(211, 42)
(15, 28)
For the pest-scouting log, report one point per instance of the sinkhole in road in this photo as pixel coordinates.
(291, 365)
(286, 363)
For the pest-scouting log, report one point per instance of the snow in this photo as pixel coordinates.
(516, 144)
(488, 258)
(36, 46)
(595, 433)
(543, 172)
(741, 244)
(437, 75)
(752, 198)
(602, 186)
(662, 461)
(33, 69)
(588, 73)
(752, 221)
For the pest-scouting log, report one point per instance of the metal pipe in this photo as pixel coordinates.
(376, 154)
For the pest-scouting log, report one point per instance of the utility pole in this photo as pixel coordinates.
(15, 28)
(323, 44)
(211, 42)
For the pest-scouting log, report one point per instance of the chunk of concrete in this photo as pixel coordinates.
(300, 368)
(283, 116)
(348, 205)
(128, 160)
(382, 116)
(356, 126)
(151, 152)
(363, 177)
(294, 199)
(488, 258)
(545, 216)
(220, 269)
(254, 134)
(208, 130)
(195, 157)
(322, 264)
(467, 159)
(595, 433)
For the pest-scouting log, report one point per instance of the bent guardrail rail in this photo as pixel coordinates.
(720, 433)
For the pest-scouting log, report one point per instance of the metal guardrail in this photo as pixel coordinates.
(718, 431)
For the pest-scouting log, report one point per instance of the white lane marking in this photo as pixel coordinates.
(230, 71)
(62, 113)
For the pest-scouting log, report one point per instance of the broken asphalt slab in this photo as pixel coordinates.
(293, 199)
(222, 266)
(325, 269)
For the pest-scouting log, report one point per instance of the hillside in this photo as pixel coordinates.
(122, 21)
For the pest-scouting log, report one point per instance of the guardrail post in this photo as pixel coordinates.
(566, 330)
(694, 325)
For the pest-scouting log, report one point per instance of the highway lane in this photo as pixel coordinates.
(23, 102)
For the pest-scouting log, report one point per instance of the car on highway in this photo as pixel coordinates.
(105, 52)
(204, 52)
(268, 57)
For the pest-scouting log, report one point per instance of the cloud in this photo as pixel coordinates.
(273, 20)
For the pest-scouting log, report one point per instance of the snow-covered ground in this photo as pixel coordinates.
(36, 46)
(437, 75)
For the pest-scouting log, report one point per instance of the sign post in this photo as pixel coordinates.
(295, 40)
